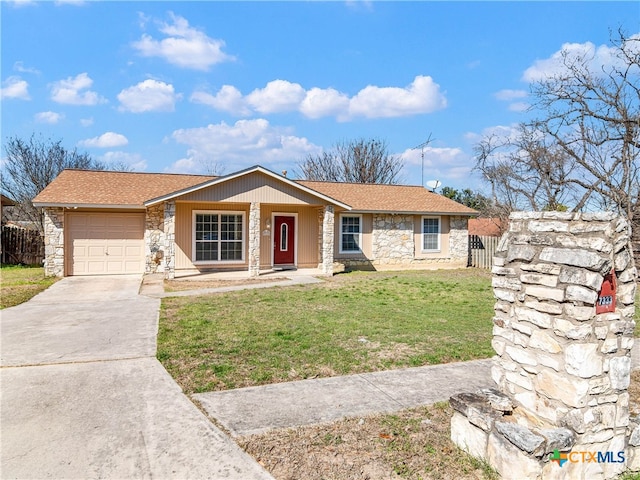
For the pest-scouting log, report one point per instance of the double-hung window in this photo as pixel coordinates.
(350, 233)
(430, 234)
(218, 237)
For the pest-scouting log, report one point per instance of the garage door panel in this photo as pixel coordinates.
(105, 243)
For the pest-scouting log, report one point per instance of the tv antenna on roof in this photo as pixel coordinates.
(421, 147)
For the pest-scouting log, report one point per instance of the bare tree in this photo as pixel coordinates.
(31, 165)
(524, 172)
(582, 149)
(356, 161)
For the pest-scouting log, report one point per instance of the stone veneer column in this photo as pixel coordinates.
(565, 367)
(328, 240)
(254, 239)
(154, 239)
(459, 238)
(169, 239)
(54, 241)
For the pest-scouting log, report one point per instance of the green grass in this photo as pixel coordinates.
(18, 284)
(357, 322)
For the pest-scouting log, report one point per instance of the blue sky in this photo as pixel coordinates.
(184, 86)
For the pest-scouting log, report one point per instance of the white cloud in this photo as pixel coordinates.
(15, 87)
(75, 91)
(106, 140)
(228, 99)
(22, 3)
(324, 103)
(48, 117)
(86, 122)
(508, 95)
(447, 164)
(501, 133)
(132, 161)
(148, 96)
(183, 46)
(433, 156)
(19, 67)
(519, 106)
(595, 58)
(423, 95)
(277, 96)
(245, 143)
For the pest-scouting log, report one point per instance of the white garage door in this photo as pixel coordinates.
(105, 243)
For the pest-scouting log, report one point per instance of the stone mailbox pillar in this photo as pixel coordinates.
(563, 367)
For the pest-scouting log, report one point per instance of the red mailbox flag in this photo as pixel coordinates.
(607, 296)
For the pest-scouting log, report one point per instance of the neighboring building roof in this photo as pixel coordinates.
(113, 189)
(389, 198)
(487, 227)
(6, 201)
(91, 188)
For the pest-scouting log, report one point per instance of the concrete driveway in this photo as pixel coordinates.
(84, 397)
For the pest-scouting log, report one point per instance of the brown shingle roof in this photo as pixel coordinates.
(106, 188)
(389, 198)
(90, 187)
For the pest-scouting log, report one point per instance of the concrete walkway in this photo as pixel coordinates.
(252, 410)
(153, 286)
(84, 397)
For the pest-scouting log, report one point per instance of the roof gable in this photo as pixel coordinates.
(264, 177)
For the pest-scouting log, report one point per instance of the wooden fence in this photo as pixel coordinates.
(482, 249)
(21, 246)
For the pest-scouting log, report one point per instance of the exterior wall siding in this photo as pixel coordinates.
(184, 233)
(307, 234)
(395, 242)
(257, 187)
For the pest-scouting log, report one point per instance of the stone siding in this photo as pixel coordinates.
(392, 239)
(459, 238)
(169, 240)
(565, 367)
(393, 246)
(254, 239)
(328, 222)
(54, 242)
(154, 239)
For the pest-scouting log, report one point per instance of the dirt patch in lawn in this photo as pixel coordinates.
(411, 444)
(194, 284)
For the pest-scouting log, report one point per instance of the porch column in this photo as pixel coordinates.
(169, 240)
(327, 240)
(254, 239)
(54, 242)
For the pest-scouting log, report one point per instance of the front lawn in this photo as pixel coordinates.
(352, 323)
(18, 284)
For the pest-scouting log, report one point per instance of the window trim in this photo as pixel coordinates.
(422, 234)
(193, 236)
(350, 215)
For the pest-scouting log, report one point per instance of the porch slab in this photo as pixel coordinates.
(196, 275)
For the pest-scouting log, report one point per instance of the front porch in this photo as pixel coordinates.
(205, 275)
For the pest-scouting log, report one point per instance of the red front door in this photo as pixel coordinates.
(284, 240)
